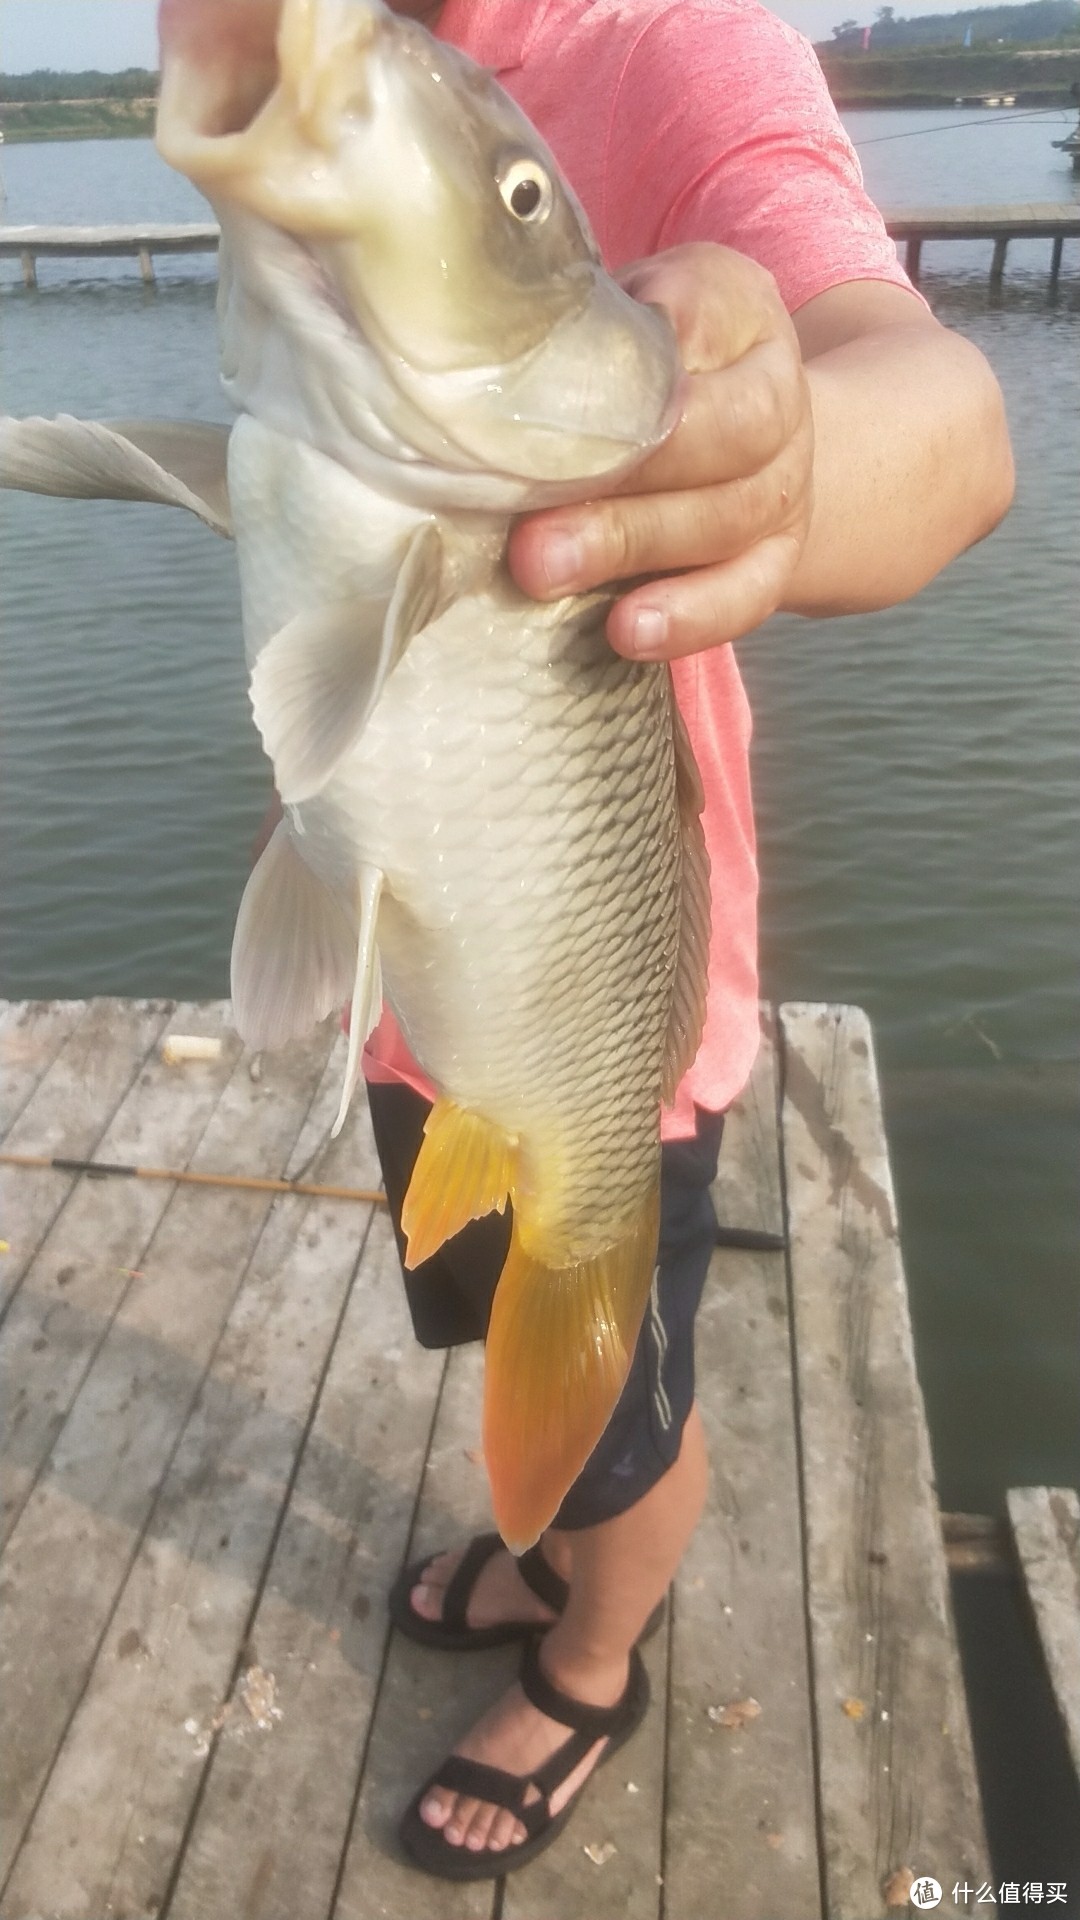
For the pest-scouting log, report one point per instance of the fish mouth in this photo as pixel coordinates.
(252, 98)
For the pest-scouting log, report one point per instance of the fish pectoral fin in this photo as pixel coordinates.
(174, 462)
(367, 987)
(465, 1168)
(686, 1019)
(293, 950)
(559, 1346)
(316, 682)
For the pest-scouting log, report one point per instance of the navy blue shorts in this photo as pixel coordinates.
(450, 1299)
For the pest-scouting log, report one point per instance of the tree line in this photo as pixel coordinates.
(135, 83)
(1031, 21)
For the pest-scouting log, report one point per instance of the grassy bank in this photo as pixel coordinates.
(76, 119)
(936, 77)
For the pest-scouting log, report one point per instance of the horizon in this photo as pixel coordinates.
(71, 36)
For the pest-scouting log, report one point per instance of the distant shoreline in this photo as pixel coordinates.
(27, 120)
(940, 76)
(858, 83)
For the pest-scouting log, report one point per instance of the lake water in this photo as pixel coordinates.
(915, 772)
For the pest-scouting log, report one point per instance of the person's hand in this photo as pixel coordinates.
(723, 507)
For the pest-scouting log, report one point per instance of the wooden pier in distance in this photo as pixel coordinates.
(1038, 221)
(223, 1442)
(1053, 222)
(140, 242)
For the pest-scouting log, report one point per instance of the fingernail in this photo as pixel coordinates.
(648, 633)
(562, 559)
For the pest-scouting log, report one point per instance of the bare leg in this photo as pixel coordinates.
(619, 1570)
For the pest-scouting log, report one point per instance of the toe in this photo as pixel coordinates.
(505, 1831)
(480, 1827)
(460, 1820)
(426, 1601)
(426, 1598)
(436, 1807)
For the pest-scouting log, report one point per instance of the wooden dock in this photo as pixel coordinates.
(140, 242)
(998, 225)
(1038, 221)
(223, 1442)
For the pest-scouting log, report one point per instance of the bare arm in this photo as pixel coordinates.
(912, 460)
(828, 464)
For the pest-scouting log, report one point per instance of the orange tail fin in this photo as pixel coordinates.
(559, 1348)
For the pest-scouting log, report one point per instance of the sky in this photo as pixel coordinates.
(112, 34)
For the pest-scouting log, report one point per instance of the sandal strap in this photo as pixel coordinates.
(561, 1765)
(459, 1588)
(542, 1579)
(594, 1723)
(501, 1789)
(481, 1782)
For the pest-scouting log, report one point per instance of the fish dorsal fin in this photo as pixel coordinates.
(315, 683)
(367, 986)
(465, 1168)
(174, 462)
(294, 948)
(686, 1022)
(558, 1351)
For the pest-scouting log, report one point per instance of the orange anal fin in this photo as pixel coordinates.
(464, 1169)
(558, 1352)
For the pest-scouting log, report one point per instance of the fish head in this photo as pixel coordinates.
(422, 217)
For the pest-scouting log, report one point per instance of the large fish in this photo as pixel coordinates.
(490, 819)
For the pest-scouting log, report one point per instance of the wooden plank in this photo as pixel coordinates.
(31, 1035)
(741, 1812)
(622, 1807)
(69, 1556)
(110, 1823)
(96, 1248)
(68, 1112)
(427, 1699)
(1032, 221)
(1045, 1524)
(897, 1779)
(193, 236)
(273, 1818)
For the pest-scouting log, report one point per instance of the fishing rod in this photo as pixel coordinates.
(747, 1239)
(984, 120)
(250, 1183)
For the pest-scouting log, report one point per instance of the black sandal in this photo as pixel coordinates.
(426, 1846)
(452, 1632)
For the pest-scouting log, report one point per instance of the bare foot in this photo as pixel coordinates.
(517, 1737)
(499, 1594)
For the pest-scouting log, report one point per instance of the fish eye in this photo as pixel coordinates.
(526, 191)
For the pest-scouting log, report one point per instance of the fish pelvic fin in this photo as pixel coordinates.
(294, 949)
(465, 1168)
(559, 1348)
(367, 993)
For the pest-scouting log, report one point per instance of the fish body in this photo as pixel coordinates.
(515, 786)
(490, 818)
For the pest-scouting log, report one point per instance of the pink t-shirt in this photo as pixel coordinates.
(680, 120)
